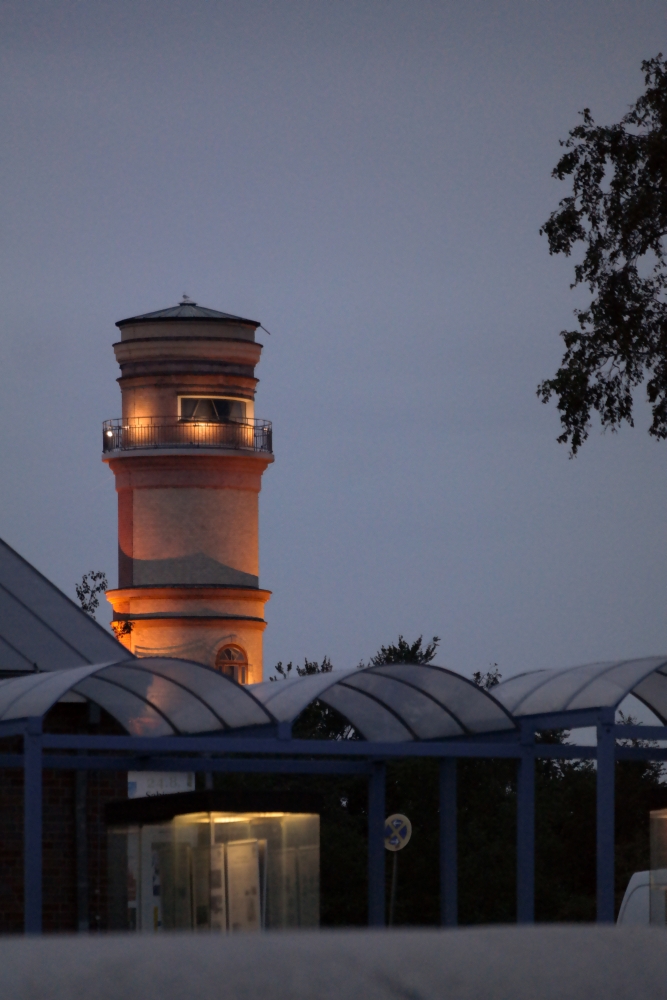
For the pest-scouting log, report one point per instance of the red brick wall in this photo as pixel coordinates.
(59, 833)
(11, 844)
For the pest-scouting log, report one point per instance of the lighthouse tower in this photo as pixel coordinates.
(188, 457)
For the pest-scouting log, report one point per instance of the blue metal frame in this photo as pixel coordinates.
(605, 821)
(278, 753)
(449, 873)
(376, 848)
(525, 829)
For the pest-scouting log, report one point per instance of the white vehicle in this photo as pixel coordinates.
(636, 905)
(643, 903)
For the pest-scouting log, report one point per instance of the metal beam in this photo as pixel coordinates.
(449, 875)
(641, 753)
(32, 833)
(152, 762)
(277, 748)
(12, 728)
(376, 848)
(563, 751)
(640, 732)
(606, 761)
(81, 841)
(578, 718)
(220, 764)
(11, 760)
(525, 831)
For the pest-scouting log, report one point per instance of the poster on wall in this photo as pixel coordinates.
(157, 864)
(243, 885)
(141, 784)
(218, 895)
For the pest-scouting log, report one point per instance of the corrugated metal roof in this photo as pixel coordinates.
(186, 310)
(40, 626)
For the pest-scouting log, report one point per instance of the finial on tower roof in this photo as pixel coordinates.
(187, 301)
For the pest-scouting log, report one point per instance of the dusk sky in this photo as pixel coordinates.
(368, 180)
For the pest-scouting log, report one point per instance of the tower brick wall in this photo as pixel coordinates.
(188, 458)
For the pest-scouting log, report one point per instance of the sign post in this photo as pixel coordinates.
(397, 833)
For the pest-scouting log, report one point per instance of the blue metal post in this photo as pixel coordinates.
(606, 760)
(449, 904)
(376, 848)
(525, 831)
(32, 827)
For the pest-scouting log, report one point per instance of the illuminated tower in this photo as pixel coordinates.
(188, 457)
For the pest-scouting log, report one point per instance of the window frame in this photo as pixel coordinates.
(248, 404)
(239, 666)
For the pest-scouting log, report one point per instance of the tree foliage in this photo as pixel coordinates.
(489, 679)
(122, 628)
(88, 591)
(309, 667)
(617, 213)
(405, 652)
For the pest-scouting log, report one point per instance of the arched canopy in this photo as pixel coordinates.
(393, 702)
(164, 697)
(149, 697)
(591, 686)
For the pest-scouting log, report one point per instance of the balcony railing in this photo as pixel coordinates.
(139, 433)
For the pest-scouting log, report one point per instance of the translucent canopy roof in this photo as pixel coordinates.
(40, 626)
(149, 697)
(162, 697)
(594, 685)
(393, 702)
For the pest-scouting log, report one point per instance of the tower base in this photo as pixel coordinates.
(220, 626)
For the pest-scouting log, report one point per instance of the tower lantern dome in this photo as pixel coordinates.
(188, 456)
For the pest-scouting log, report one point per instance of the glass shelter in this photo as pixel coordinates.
(658, 875)
(214, 869)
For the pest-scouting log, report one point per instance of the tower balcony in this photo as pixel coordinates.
(145, 433)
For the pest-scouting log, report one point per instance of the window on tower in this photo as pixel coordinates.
(212, 409)
(232, 661)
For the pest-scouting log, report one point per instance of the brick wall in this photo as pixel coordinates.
(59, 832)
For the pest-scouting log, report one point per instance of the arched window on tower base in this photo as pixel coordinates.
(233, 661)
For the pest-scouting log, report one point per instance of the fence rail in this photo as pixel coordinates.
(151, 432)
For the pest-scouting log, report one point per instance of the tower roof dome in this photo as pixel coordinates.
(186, 309)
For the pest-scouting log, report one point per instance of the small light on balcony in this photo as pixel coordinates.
(109, 434)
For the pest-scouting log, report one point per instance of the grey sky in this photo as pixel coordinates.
(368, 180)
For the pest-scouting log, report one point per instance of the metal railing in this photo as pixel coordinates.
(140, 433)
